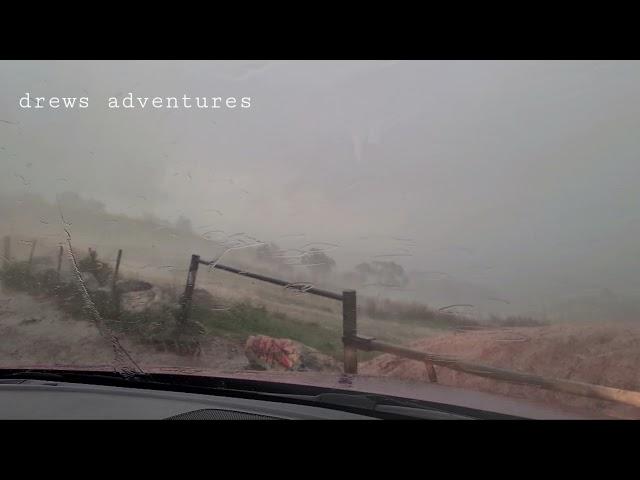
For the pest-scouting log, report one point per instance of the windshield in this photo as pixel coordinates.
(437, 224)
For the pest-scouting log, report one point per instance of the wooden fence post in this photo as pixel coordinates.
(349, 331)
(187, 297)
(60, 249)
(7, 251)
(115, 272)
(33, 249)
(115, 295)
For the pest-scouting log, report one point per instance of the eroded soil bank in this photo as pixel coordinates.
(600, 354)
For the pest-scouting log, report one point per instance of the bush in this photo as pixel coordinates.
(413, 313)
(48, 281)
(17, 276)
(100, 270)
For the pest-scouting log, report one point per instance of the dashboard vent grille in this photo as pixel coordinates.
(215, 414)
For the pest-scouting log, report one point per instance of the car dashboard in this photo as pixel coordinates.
(28, 399)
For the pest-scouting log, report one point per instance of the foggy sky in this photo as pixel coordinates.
(521, 177)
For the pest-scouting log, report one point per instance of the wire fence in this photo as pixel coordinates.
(354, 342)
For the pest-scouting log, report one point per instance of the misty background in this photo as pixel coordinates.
(508, 185)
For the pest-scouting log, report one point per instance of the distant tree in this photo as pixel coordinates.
(94, 206)
(150, 218)
(71, 200)
(364, 270)
(320, 264)
(184, 224)
(384, 273)
(268, 254)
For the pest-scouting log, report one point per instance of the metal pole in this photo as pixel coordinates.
(349, 331)
(7, 251)
(188, 290)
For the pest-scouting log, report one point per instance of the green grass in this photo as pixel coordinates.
(244, 319)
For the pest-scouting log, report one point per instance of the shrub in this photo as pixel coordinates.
(17, 276)
(412, 312)
(100, 270)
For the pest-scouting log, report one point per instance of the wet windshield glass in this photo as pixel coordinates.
(429, 222)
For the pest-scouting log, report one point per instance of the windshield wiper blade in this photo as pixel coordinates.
(65, 376)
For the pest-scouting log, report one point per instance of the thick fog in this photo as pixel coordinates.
(514, 181)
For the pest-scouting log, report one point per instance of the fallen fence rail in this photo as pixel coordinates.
(353, 342)
(628, 397)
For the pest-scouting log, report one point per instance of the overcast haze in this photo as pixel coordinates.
(518, 177)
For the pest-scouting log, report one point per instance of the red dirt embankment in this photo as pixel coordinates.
(600, 354)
